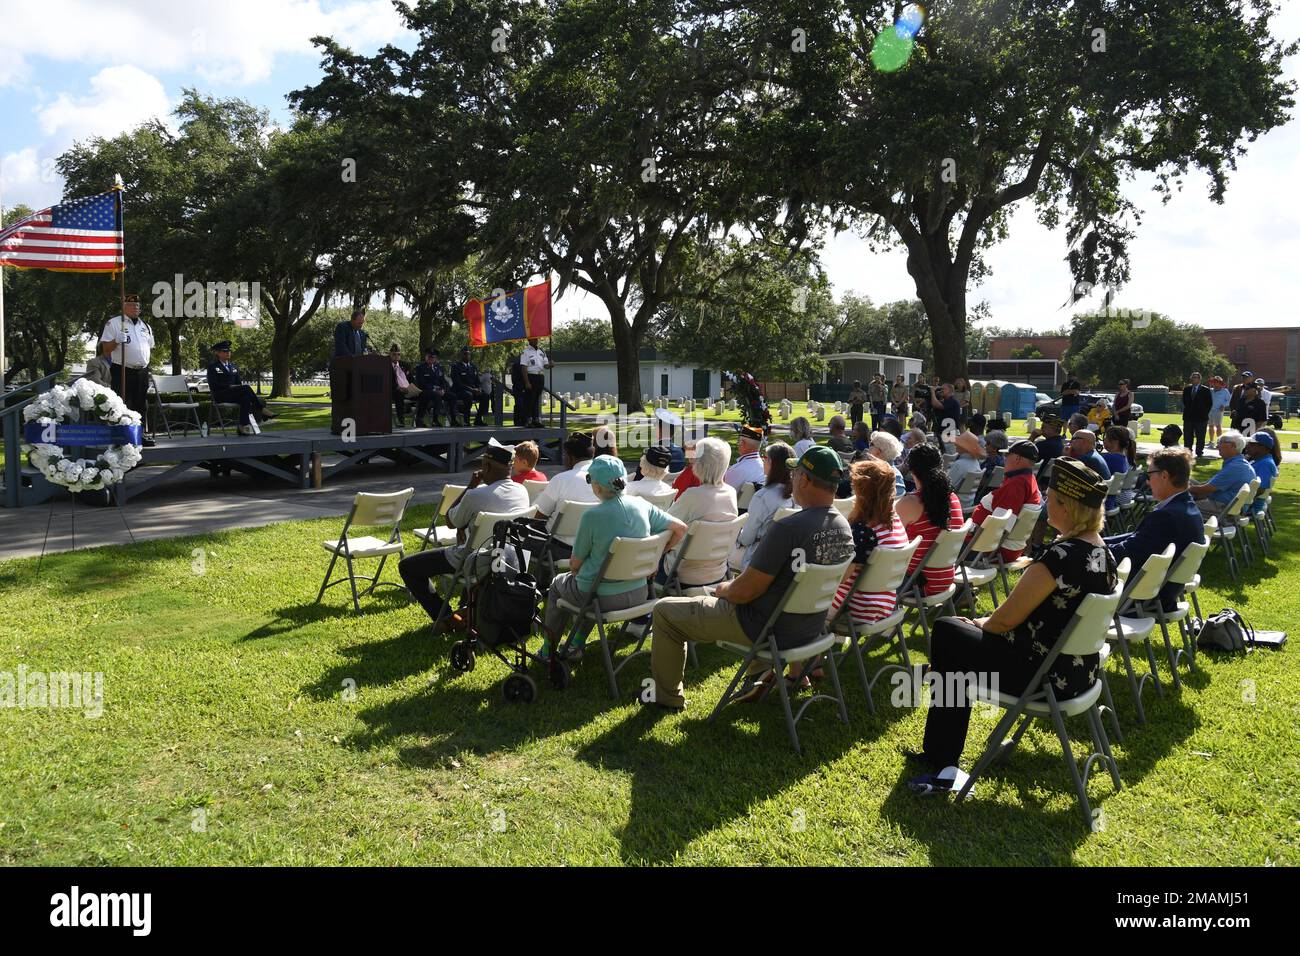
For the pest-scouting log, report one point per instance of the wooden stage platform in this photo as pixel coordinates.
(308, 457)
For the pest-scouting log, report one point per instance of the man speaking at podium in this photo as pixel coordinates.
(349, 337)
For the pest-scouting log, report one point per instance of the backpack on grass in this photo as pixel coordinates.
(1225, 631)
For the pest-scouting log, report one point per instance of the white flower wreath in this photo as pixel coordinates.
(82, 403)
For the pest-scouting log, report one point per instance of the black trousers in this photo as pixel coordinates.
(417, 569)
(137, 391)
(1194, 431)
(536, 383)
(877, 414)
(855, 413)
(244, 397)
(468, 400)
(429, 403)
(961, 648)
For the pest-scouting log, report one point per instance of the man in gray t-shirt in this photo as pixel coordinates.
(738, 609)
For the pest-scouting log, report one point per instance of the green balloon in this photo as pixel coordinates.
(891, 51)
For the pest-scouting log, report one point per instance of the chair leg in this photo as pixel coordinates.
(839, 691)
(606, 655)
(1173, 659)
(1134, 685)
(328, 571)
(1080, 788)
(992, 749)
(1155, 668)
(778, 669)
(352, 579)
(1110, 707)
(740, 674)
(375, 580)
(855, 648)
(1099, 730)
(993, 593)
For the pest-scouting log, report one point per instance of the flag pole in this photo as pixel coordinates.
(121, 316)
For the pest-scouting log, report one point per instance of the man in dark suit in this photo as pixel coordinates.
(469, 389)
(434, 390)
(1175, 519)
(1197, 399)
(349, 337)
(225, 385)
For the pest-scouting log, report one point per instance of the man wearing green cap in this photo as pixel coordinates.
(738, 609)
(618, 515)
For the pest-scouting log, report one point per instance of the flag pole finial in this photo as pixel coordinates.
(117, 181)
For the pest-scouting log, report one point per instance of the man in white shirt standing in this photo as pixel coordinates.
(749, 463)
(131, 333)
(535, 363)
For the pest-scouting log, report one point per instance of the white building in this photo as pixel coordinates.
(597, 372)
(848, 367)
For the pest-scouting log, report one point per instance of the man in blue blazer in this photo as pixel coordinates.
(349, 337)
(1175, 519)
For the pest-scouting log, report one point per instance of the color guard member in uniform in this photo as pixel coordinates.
(132, 334)
(534, 362)
(434, 388)
(469, 389)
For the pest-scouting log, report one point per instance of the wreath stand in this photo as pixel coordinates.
(72, 513)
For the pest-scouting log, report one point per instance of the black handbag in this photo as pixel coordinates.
(508, 598)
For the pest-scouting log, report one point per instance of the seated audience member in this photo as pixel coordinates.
(603, 441)
(1014, 641)
(874, 524)
(888, 449)
(525, 466)
(932, 508)
(1262, 452)
(893, 426)
(619, 515)
(969, 460)
(1120, 456)
(687, 477)
(774, 495)
(1018, 488)
(838, 441)
(995, 446)
(918, 421)
(1216, 494)
(1083, 447)
(1099, 415)
(1174, 520)
(1078, 422)
(711, 500)
(1048, 438)
(100, 368)
(490, 490)
(749, 465)
(654, 465)
(738, 609)
(570, 484)
(861, 436)
(801, 436)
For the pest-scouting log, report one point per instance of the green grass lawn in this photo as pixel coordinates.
(231, 733)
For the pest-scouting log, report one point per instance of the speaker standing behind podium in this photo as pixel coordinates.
(349, 337)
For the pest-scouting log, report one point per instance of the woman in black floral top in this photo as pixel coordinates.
(1011, 644)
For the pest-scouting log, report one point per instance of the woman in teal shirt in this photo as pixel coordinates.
(616, 516)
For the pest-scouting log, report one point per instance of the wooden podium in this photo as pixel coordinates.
(361, 389)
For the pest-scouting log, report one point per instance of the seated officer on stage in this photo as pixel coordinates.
(430, 378)
(490, 490)
(469, 389)
(224, 385)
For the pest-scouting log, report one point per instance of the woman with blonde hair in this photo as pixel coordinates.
(875, 524)
(1012, 643)
(711, 500)
(801, 436)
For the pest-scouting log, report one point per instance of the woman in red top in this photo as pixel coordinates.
(930, 509)
(687, 478)
(875, 525)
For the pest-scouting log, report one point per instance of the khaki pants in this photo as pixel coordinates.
(704, 620)
(1210, 508)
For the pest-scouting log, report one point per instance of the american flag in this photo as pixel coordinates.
(83, 235)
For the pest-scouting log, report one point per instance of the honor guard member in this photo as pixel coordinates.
(225, 386)
(468, 389)
(535, 362)
(133, 336)
(431, 379)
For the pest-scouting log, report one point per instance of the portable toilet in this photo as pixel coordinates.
(1152, 398)
(992, 396)
(977, 396)
(1017, 400)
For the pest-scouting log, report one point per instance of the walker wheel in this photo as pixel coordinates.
(519, 689)
(462, 657)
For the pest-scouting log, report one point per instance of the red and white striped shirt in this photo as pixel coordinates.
(867, 607)
(936, 579)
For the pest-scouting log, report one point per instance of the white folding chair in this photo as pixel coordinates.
(747, 492)
(1131, 628)
(1128, 498)
(844, 505)
(1243, 522)
(966, 490)
(710, 541)
(367, 511)
(477, 534)
(942, 553)
(629, 559)
(976, 565)
(1227, 530)
(441, 535)
(1184, 571)
(663, 501)
(811, 592)
(562, 526)
(885, 570)
(1114, 484)
(1017, 539)
(784, 512)
(172, 385)
(1084, 635)
(534, 488)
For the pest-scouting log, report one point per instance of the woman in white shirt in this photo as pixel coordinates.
(775, 493)
(711, 500)
(801, 436)
(654, 465)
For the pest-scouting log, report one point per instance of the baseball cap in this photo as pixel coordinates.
(1025, 449)
(604, 469)
(823, 463)
(1262, 438)
(658, 456)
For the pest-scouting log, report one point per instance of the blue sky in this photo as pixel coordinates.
(72, 69)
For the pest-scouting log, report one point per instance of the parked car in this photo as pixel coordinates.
(1052, 406)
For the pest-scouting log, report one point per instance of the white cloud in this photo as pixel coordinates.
(218, 40)
(20, 178)
(120, 98)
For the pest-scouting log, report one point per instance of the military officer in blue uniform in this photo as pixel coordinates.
(435, 390)
(468, 389)
(224, 385)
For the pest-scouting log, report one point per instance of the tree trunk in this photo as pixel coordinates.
(426, 331)
(947, 318)
(627, 347)
(174, 334)
(281, 383)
